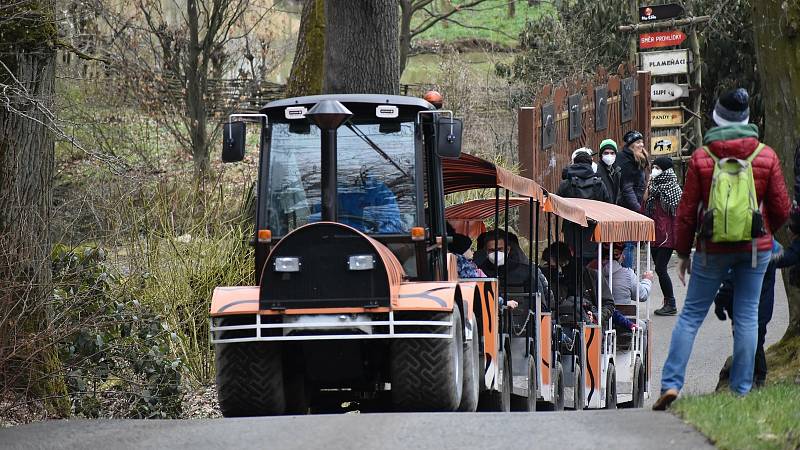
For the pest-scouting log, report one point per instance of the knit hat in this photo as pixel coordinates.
(632, 136)
(586, 150)
(732, 108)
(663, 162)
(608, 143)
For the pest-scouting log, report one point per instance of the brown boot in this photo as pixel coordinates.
(665, 400)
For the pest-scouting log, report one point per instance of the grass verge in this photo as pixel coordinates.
(767, 418)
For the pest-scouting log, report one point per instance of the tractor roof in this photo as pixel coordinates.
(359, 104)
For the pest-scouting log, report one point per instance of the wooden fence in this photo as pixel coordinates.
(543, 157)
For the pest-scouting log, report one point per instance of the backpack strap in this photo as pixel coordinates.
(755, 152)
(708, 152)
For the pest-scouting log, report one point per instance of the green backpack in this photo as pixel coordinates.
(733, 213)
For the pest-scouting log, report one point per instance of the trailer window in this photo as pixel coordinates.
(376, 189)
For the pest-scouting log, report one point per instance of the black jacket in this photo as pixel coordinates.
(582, 172)
(611, 176)
(632, 180)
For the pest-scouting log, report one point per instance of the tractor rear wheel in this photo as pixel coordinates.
(472, 372)
(427, 373)
(249, 379)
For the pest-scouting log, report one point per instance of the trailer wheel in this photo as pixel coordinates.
(611, 387)
(638, 384)
(498, 400)
(558, 382)
(249, 379)
(527, 404)
(472, 372)
(427, 373)
(579, 390)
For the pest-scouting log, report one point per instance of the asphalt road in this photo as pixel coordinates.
(624, 429)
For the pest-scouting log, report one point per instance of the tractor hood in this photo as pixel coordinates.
(329, 265)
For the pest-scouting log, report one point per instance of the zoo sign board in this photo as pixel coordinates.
(671, 62)
(661, 39)
(665, 142)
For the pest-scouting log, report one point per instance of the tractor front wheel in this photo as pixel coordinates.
(249, 379)
(427, 373)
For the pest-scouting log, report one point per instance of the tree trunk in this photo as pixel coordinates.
(405, 33)
(196, 75)
(361, 47)
(307, 68)
(778, 52)
(512, 8)
(28, 359)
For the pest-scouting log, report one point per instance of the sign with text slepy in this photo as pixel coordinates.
(670, 62)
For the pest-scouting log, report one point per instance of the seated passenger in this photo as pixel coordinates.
(624, 280)
(510, 259)
(461, 246)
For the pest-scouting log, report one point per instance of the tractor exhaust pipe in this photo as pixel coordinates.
(328, 115)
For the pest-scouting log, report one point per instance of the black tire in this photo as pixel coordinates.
(249, 379)
(427, 374)
(472, 372)
(296, 394)
(579, 390)
(611, 387)
(498, 401)
(527, 404)
(638, 384)
(558, 382)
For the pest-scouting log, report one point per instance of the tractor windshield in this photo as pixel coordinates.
(376, 171)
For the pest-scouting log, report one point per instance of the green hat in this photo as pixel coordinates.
(608, 143)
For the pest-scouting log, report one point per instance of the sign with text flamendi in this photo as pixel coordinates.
(661, 39)
(670, 62)
(666, 117)
(660, 12)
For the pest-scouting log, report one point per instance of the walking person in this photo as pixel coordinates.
(608, 171)
(633, 164)
(664, 194)
(735, 185)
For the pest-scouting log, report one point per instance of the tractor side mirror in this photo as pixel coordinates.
(448, 137)
(233, 139)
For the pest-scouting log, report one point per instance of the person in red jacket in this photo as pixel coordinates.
(733, 137)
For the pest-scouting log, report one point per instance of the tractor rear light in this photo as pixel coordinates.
(361, 262)
(264, 236)
(417, 234)
(287, 264)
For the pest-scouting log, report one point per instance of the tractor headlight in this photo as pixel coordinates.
(287, 264)
(361, 262)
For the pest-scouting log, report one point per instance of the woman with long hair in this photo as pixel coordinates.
(633, 164)
(664, 195)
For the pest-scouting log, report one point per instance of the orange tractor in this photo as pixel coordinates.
(356, 298)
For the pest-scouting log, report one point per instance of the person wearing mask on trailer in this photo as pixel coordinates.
(608, 171)
(633, 164)
(664, 195)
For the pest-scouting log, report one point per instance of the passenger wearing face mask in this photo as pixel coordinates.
(508, 258)
(608, 171)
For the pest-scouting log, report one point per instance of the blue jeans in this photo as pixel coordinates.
(708, 271)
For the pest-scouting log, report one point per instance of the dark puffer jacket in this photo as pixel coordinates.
(612, 178)
(737, 141)
(633, 180)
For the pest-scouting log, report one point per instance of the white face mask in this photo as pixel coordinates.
(656, 172)
(501, 258)
(609, 159)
